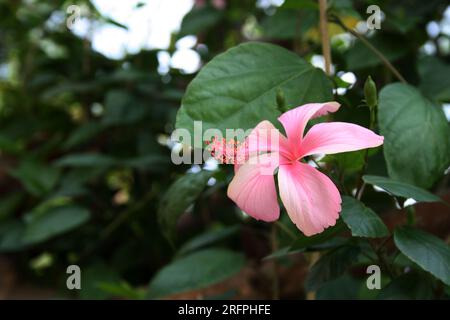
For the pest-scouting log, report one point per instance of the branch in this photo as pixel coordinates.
(386, 62)
(324, 35)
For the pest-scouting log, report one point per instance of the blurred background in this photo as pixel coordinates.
(89, 92)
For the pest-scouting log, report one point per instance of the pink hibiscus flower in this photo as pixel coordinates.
(311, 199)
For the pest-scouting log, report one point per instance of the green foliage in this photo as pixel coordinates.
(86, 175)
(359, 56)
(303, 242)
(180, 195)
(44, 224)
(198, 270)
(401, 189)
(247, 95)
(428, 251)
(330, 266)
(361, 220)
(208, 238)
(435, 79)
(410, 286)
(417, 144)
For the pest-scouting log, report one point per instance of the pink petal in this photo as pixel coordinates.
(263, 138)
(336, 137)
(311, 199)
(294, 121)
(253, 188)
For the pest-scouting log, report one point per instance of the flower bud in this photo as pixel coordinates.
(370, 93)
(281, 100)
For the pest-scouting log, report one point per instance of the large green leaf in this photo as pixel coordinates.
(417, 135)
(180, 195)
(401, 189)
(238, 88)
(42, 225)
(428, 251)
(198, 270)
(361, 220)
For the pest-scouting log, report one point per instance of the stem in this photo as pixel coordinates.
(382, 260)
(361, 189)
(317, 164)
(386, 62)
(361, 183)
(275, 281)
(324, 35)
(411, 215)
(314, 257)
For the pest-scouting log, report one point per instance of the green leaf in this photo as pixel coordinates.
(342, 288)
(330, 266)
(401, 189)
(410, 286)
(349, 162)
(93, 279)
(122, 290)
(417, 144)
(196, 271)
(304, 242)
(43, 225)
(83, 134)
(11, 236)
(38, 179)
(238, 88)
(8, 204)
(80, 160)
(361, 220)
(208, 238)
(180, 195)
(429, 252)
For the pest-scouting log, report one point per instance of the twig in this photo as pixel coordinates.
(380, 55)
(382, 260)
(275, 280)
(324, 35)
